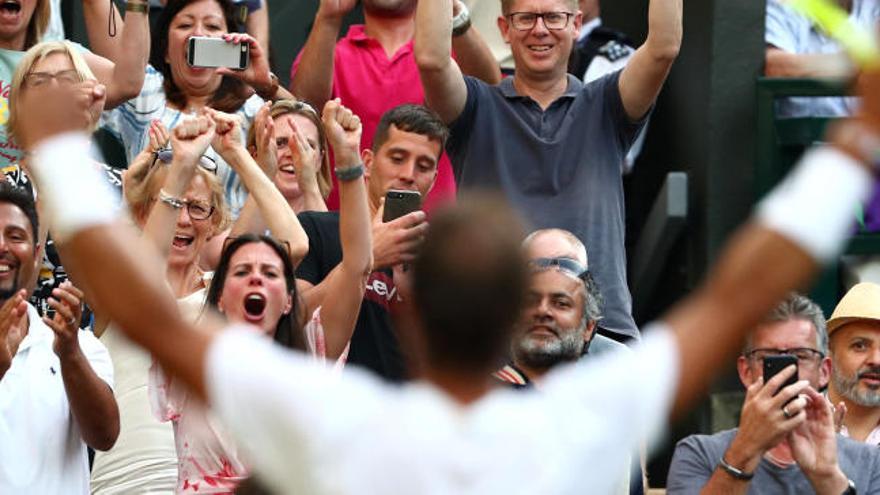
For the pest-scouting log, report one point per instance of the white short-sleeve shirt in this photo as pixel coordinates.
(308, 432)
(793, 33)
(41, 448)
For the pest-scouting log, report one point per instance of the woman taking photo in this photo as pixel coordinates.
(173, 89)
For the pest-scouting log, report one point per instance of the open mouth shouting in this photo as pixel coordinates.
(254, 307)
(182, 241)
(10, 10)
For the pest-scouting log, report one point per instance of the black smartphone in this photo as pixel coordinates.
(400, 203)
(216, 52)
(775, 364)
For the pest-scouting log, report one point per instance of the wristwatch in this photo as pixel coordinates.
(170, 200)
(736, 473)
(851, 489)
(462, 22)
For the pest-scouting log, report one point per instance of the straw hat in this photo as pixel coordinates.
(862, 302)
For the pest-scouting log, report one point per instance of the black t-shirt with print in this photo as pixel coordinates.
(373, 344)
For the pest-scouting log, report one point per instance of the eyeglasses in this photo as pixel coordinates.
(65, 78)
(524, 21)
(197, 210)
(563, 264)
(166, 155)
(804, 355)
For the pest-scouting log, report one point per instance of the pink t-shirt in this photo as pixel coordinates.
(370, 84)
(208, 459)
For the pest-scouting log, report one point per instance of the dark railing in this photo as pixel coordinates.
(782, 141)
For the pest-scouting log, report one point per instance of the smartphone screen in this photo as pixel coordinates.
(215, 52)
(775, 364)
(400, 203)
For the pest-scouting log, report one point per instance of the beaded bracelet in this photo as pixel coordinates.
(350, 173)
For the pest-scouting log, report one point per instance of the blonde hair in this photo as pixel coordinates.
(32, 57)
(295, 107)
(145, 186)
(39, 23)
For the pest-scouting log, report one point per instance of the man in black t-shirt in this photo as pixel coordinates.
(406, 148)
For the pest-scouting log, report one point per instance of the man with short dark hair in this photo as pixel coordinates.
(406, 150)
(768, 453)
(854, 333)
(372, 69)
(55, 379)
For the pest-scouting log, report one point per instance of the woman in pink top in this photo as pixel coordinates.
(254, 283)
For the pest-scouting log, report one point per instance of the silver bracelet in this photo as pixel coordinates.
(170, 200)
(735, 472)
(349, 173)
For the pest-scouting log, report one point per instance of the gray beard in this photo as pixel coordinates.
(545, 355)
(849, 388)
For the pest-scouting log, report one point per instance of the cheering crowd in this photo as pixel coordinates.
(249, 306)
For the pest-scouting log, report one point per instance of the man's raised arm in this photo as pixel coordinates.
(801, 224)
(100, 250)
(644, 75)
(118, 62)
(313, 79)
(445, 91)
(473, 55)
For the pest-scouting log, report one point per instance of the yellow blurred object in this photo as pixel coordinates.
(859, 43)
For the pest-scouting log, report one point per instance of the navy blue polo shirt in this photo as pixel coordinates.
(560, 167)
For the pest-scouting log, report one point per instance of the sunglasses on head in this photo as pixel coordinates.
(566, 265)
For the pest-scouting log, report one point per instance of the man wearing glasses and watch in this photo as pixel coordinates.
(776, 449)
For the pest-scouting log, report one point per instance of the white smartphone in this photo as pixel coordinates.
(215, 52)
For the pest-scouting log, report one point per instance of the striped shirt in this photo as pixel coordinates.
(130, 123)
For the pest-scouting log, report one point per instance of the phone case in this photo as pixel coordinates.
(774, 364)
(215, 52)
(400, 203)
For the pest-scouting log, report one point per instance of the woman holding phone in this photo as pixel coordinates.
(173, 89)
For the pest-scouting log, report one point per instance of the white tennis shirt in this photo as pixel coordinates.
(308, 432)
